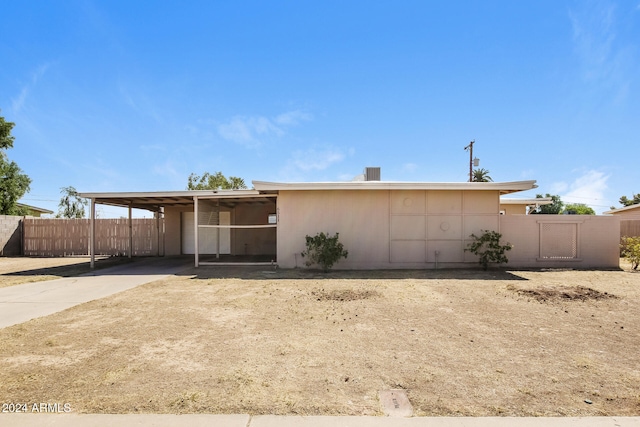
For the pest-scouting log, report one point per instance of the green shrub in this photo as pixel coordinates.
(631, 250)
(488, 248)
(323, 250)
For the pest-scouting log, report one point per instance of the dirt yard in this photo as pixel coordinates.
(258, 341)
(17, 270)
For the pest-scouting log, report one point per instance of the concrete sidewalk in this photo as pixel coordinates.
(21, 303)
(243, 420)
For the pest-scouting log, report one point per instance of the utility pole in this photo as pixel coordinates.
(471, 159)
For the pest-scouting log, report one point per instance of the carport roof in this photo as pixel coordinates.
(154, 200)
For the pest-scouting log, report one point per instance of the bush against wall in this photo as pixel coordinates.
(323, 250)
(631, 250)
(488, 248)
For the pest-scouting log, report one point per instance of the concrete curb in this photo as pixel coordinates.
(244, 420)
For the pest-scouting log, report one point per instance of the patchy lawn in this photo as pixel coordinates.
(18, 270)
(258, 341)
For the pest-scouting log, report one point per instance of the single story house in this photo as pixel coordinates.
(627, 212)
(629, 217)
(34, 211)
(509, 206)
(382, 224)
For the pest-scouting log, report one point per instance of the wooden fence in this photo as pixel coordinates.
(630, 227)
(68, 237)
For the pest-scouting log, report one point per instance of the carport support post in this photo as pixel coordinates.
(130, 234)
(218, 234)
(92, 233)
(195, 226)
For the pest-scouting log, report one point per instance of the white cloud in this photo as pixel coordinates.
(409, 167)
(606, 61)
(17, 104)
(589, 188)
(292, 118)
(316, 160)
(251, 131)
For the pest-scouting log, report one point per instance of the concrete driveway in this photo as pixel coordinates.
(21, 303)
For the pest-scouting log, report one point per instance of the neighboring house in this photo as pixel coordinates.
(629, 220)
(382, 224)
(35, 211)
(522, 206)
(628, 212)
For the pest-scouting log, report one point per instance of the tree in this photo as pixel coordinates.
(216, 181)
(481, 175)
(14, 183)
(554, 208)
(578, 209)
(631, 250)
(635, 199)
(71, 204)
(6, 139)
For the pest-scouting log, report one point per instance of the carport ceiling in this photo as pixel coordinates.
(153, 201)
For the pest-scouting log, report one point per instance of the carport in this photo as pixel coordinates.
(217, 226)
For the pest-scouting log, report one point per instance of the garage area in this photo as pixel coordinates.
(223, 227)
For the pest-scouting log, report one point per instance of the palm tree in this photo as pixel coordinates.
(481, 175)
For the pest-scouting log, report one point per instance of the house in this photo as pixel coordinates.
(627, 212)
(382, 224)
(510, 206)
(34, 211)
(629, 217)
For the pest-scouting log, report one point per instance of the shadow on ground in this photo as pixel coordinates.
(270, 273)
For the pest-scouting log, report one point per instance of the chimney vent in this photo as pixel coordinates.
(372, 174)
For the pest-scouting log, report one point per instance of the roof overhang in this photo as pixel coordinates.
(155, 201)
(538, 201)
(626, 208)
(501, 187)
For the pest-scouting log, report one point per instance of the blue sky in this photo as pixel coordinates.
(134, 96)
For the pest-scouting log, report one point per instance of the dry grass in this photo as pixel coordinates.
(18, 270)
(296, 342)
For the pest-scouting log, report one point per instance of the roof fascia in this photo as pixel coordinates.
(502, 187)
(626, 208)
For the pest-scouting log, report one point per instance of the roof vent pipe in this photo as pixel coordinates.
(372, 174)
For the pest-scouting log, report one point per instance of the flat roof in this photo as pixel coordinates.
(502, 187)
(154, 200)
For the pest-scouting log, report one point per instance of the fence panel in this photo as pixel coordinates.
(68, 237)
(630, 227)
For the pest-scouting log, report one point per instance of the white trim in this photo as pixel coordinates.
(239, 226)
(503, 187)
(618, 210)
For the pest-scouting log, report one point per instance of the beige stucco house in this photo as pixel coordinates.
(509, 206)
(627, 212)
(383, 224)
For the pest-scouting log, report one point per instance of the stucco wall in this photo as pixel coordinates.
(10, 235)
(172, 236)
(562, 241)
(253, 241)
(387, 229)
(510, 209)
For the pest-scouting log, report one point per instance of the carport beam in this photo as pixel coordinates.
(195, 225)
(130, 233)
